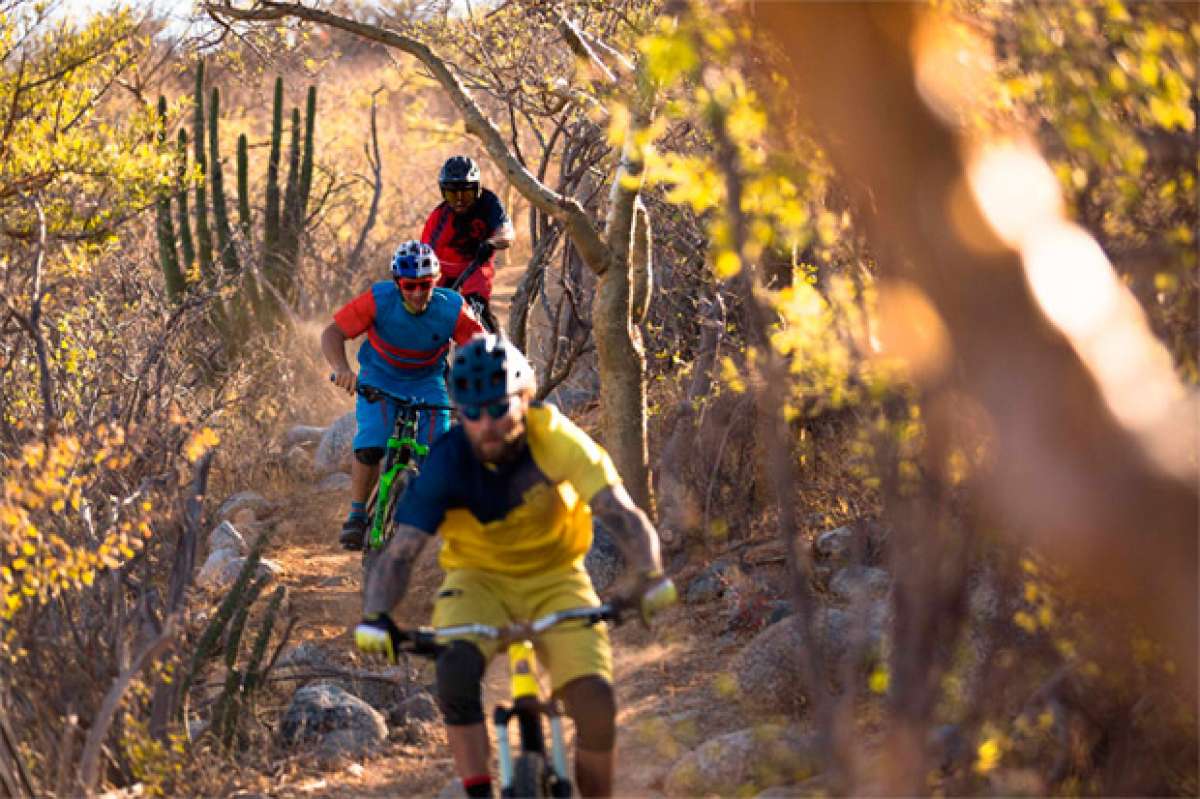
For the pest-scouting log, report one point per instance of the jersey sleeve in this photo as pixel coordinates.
(467, 327)
(573, 455)
(493, 212)
(424, 502)
(356, 316)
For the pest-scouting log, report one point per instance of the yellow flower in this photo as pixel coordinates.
(988, 756)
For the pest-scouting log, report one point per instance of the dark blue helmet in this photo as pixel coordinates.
(459, 172)
(488, 368)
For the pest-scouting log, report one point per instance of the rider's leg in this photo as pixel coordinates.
(460, 671)
(465, 597)
(374, 422)
(364, 471)
(592, 703)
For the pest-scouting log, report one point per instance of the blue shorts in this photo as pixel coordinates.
(375, 420)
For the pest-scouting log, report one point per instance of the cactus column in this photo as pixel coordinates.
(164, 229)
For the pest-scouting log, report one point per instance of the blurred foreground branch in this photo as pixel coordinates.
(1064, 475)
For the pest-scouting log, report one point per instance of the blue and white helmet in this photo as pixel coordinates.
(414, 259)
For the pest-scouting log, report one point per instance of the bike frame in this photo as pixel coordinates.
(400, 455)
(527, 704)
(404, 434)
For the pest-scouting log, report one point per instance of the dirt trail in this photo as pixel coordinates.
(670, 671)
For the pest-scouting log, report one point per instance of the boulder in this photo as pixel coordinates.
(420, 706)
(603, 561)
(298, 462)
(305, 654)
(382, 689)
(226, 536)
(860, 583)
(243, 500)
(709, 584)
(335, 722)
(223, 566)
(745, 762)
(863, 541)
(835, 546)
(302, 435)
(768, 666)
(338, 481)
(215, 565)
(335, 450)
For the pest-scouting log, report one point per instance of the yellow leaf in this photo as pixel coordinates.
(727, 264)
(988, 756)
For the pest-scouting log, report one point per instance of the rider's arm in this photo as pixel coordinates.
(389, 579)
(351, 320)
(467, 327)
(333, 347)
(504, 236)
(630, 528)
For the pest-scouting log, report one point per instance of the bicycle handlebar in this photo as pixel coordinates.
(424, 641)
(373, 394)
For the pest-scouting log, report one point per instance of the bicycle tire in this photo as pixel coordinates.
(369, 553)
(529, 777)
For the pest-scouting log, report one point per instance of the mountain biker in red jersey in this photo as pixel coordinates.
(468, 218)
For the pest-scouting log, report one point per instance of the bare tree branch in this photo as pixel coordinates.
(89, 764)
(373, 158)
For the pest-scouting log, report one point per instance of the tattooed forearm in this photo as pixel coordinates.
(388, 579)
(629, 527)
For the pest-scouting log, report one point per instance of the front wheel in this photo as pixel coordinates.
(369, 553)
(529, 777)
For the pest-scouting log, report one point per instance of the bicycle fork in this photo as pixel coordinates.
(528, 708)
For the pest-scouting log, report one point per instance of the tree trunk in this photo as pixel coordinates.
(623, 383)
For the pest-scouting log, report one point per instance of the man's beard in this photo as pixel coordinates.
(507, 452)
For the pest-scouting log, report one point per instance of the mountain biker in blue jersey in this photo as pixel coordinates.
(409, 325)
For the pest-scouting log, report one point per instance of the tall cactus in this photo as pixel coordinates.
(283, 220)
(187, 244)
(229, 258)
(203, 233)
(164, 229)
(271, 237)
(243, 185)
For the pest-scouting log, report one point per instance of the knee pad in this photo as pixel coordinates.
(592, 702)
(459, 675)
(369, 456)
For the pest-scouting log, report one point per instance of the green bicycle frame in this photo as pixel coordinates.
(386, 480)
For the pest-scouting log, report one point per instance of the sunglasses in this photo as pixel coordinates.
(496, 409)
(416, 284)
(467, 193)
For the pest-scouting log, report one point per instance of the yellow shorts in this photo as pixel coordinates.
(566, 652)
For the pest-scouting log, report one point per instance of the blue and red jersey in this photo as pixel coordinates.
(403, 348)
(458, 239)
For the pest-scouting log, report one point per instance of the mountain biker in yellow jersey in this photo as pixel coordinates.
(512, 491)
(409, 325)
(470, 221)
